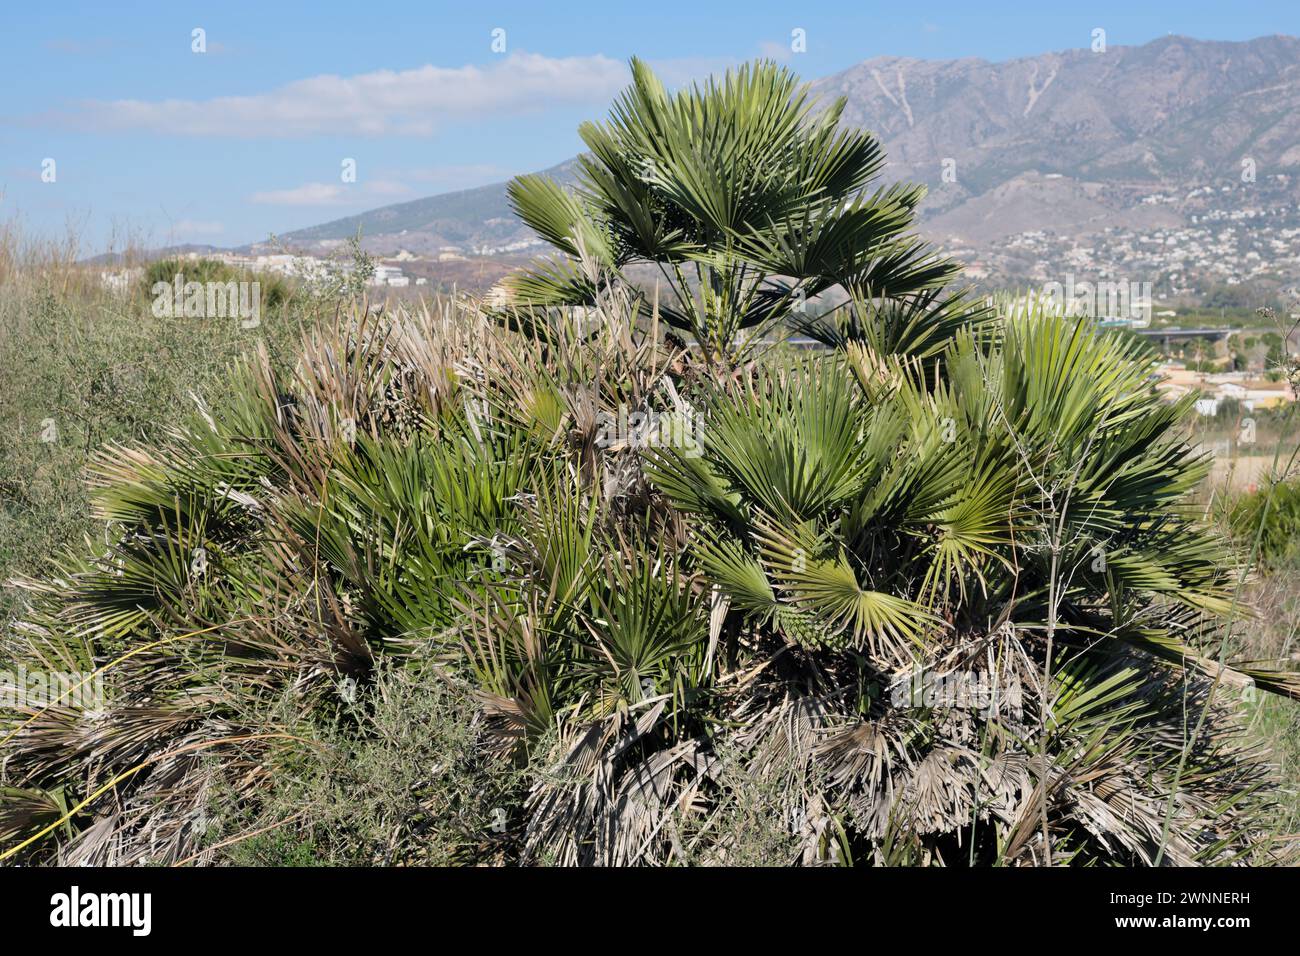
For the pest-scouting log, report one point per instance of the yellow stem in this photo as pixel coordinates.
(198, 745)
(113, 663)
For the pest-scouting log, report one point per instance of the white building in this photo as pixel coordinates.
(390, 276)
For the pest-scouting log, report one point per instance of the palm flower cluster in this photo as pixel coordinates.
(933, 594)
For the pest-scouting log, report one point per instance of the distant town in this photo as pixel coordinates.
(1234, 237)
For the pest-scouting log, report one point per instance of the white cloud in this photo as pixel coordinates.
(408, 102)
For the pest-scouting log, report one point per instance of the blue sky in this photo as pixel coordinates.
(156, 143)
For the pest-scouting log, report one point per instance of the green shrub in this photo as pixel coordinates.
(275, 290)
(1271, 516)
(397, 776)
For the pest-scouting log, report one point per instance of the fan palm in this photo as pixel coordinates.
(743, 197)
(1018, 528)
